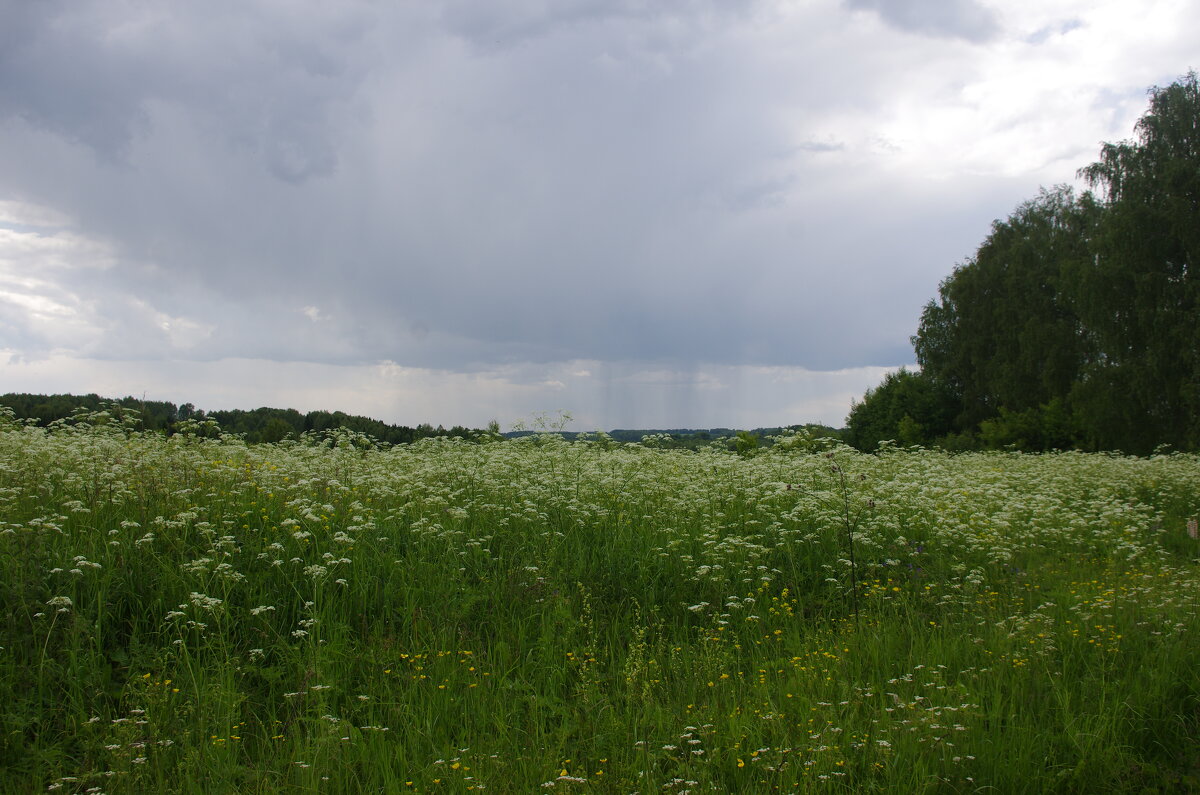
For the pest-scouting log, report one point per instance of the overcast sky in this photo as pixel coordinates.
(651, 213)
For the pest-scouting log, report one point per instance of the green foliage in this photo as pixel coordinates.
(1046, 427)
(45, 409)
(1004, 332)
(746, 443)
(810, 438)
(1140, 295)
(910, 408)
(1075, 322)
(259, 425)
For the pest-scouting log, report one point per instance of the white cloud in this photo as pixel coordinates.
(21, 213)
(53, 296)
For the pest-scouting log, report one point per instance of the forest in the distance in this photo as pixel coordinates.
(257, 425)
(1075, 325)
(270, 425)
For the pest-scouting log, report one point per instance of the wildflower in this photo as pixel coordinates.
(208, 603)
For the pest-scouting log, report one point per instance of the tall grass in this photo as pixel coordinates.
(198, 615)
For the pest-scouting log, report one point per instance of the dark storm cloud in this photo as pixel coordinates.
(463, 185)
(965, 19)
(500, 25)
(84, 97)
(270, 82)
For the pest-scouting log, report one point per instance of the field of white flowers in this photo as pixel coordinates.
(193, 614)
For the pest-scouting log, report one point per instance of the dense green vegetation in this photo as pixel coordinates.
(274, 425)
(1075, 323)
(191, 614)
(258, 425)
(726, 438)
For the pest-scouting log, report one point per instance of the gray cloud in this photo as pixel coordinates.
(1044, 34)
(448, 200)
(83, 98)
(256, 80)
(499, 26)
(964, 19)
(468, 186)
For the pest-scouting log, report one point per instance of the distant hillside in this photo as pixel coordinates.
(709, 434)
(692, 438)
(258, 425)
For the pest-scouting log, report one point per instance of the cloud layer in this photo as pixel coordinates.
(460, 187)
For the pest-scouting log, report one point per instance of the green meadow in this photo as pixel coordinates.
(189, 614)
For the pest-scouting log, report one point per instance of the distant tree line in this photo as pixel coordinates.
(694, 439)
(274, 425)
(728, 438)
(1077, 322)
(257, 425)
